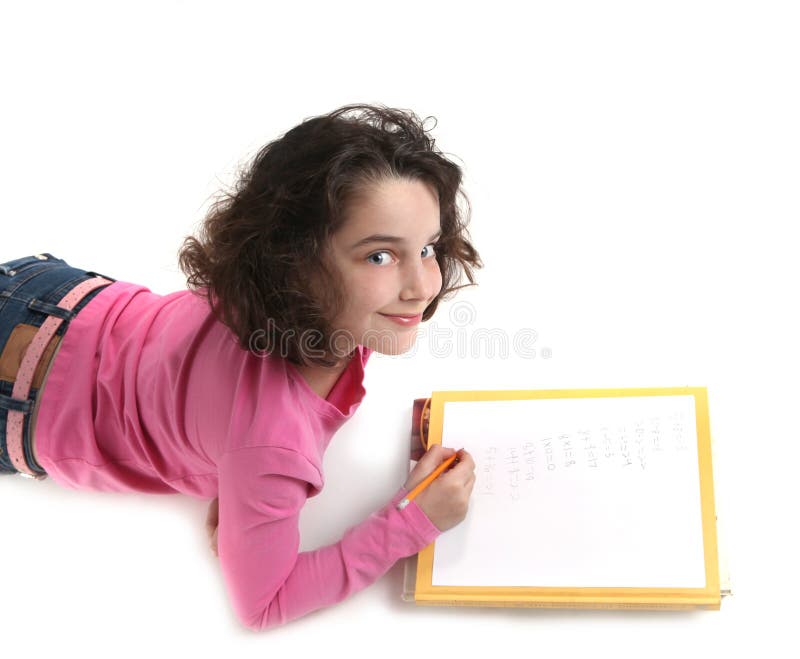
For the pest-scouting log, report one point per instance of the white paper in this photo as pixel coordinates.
(577, 492)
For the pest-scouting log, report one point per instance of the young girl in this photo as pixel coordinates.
(337, 241)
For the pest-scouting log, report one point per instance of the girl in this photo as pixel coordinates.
(337, 241)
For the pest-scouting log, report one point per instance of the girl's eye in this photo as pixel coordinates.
(371, 258)
(377, 259)
(431, 245)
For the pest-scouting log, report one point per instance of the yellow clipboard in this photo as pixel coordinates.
(707, 597)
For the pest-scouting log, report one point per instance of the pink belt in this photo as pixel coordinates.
(27, 368)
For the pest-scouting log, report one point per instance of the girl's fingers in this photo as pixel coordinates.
(466, 462)
(464, 471)
(432, 458)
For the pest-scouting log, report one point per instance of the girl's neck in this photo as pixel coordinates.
(322, 379)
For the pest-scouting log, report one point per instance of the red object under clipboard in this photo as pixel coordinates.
(420, 420)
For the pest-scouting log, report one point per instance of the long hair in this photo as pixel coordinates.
(258, 256)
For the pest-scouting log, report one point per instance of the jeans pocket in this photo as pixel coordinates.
(16, 266)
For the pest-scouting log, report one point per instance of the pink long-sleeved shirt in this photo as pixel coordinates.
(151, 393)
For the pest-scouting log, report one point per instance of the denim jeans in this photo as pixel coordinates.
(30, 289)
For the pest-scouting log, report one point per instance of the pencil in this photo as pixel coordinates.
(428, 480)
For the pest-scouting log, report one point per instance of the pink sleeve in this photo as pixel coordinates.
(261, 493)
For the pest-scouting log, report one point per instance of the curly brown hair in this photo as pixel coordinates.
(259, 257)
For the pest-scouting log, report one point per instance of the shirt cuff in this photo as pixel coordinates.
(416, 519)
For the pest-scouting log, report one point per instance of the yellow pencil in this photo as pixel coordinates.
(428, 480)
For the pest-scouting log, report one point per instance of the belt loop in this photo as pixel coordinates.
(16, 405)
(51, 310)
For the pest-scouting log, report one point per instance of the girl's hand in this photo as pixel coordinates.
(212, 522)
(444, 501)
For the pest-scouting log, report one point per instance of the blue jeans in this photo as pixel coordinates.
(30, 289)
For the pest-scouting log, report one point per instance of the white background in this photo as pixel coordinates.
(633, 172)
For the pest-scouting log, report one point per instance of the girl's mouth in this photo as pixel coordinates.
(405, 321)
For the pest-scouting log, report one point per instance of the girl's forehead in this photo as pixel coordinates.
(391, 205)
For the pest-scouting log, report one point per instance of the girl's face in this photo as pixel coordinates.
(385, 254)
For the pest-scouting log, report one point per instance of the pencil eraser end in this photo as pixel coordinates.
(403, 504)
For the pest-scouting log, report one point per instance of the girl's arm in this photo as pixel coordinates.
(269, 581)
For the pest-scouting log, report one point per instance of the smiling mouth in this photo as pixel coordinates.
(404, 319)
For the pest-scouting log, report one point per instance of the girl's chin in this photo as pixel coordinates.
(384, 351)
(392, 345)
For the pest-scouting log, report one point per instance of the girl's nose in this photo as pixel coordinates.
(420, 281)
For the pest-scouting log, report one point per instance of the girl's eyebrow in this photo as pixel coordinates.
(383, 238)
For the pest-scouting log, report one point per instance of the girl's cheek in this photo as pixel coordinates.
(437, 279)
(370, 290)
